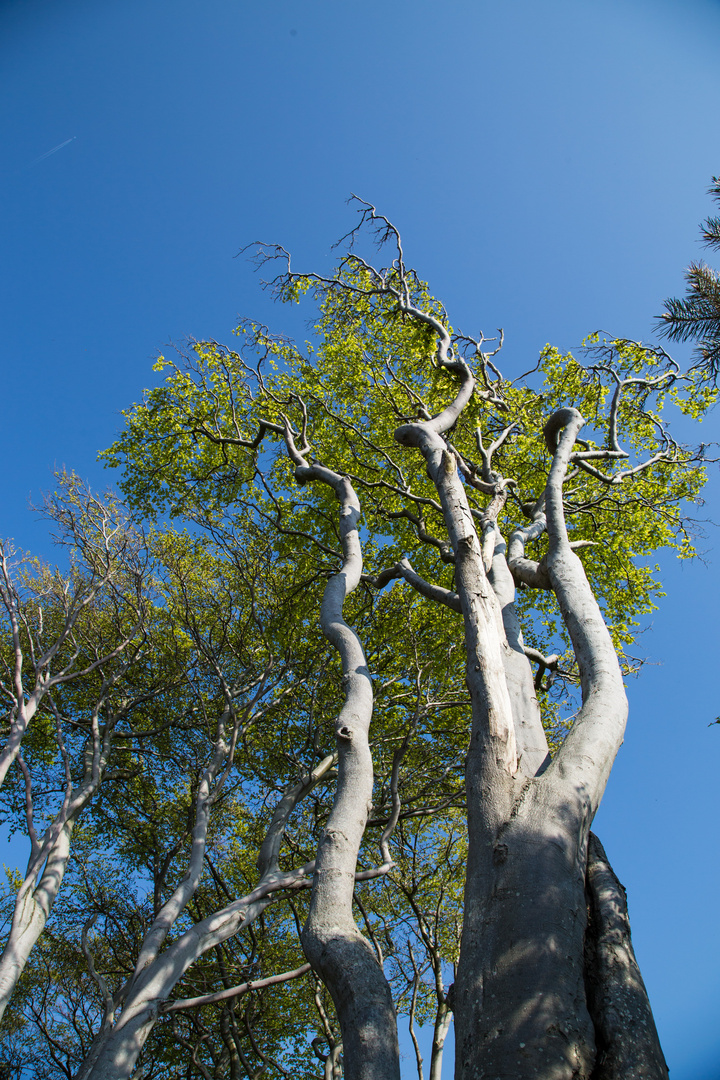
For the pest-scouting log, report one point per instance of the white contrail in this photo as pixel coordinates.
(53, 151)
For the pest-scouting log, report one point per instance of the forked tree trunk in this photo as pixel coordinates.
(331, 940)
(541, 1010)
(521, 1010)
(541, 993)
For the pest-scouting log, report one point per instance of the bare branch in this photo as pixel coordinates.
(235, 991)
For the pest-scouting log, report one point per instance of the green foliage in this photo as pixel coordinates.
(184, 449)
(236, 591)
(696, 316)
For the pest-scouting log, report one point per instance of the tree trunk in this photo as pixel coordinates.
(627, 1039)
(31, 913)
(343, 958)
(520, 1006)
(520, 994)
(443, 1019)
(533, 755)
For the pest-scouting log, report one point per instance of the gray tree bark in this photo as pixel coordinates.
(343, 958)
(541, 993)
(520, 1003)
(628, 1047)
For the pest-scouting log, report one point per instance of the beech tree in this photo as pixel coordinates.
(211, 667)
(72, 645)
(409, 593)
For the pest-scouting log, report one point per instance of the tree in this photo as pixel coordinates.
(387, 733)
(233, 668)
(386, 364)
(696, 316)
(71, 639)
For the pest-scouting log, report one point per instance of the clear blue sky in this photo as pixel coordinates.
(547, 163)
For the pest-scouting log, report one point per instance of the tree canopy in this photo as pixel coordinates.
(372, 670)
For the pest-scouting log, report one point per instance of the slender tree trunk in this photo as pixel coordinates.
(330, 938)
(31, 912)
(443, 1019)
(533, 755)
(32, 908)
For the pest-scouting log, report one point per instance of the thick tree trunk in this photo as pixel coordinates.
(548, 1001)
(520, 1008)
(627, 1040)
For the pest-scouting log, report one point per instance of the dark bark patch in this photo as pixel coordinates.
(500, 854)
(625, 1032)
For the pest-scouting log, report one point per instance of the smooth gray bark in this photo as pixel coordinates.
(27, 702)
(521, 999)
(331, 939)
(132, 1012)
(49, 856)
(443, 1019)
(115, 1050)
(519, 996)
(586, 757)
(529, 732)
(343, 958)
(32, 908)
(520, 1007)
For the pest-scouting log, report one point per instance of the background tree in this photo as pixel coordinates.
(72, 677)
(696, 316)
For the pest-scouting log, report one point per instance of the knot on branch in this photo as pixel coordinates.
(408, 434)
(449, 462)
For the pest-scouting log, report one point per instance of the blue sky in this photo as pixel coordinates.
(547, 164)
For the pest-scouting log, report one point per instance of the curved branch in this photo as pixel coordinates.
(493, 731)
(584, 760)
(94, 973)
(428, 589)
(236, 991)
(268, 861)
(528, 571)
(544, 663)
(330, 938)
(487, 453)
(446, 552)
(529, 732)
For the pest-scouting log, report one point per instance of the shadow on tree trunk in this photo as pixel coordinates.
(627, 1039)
